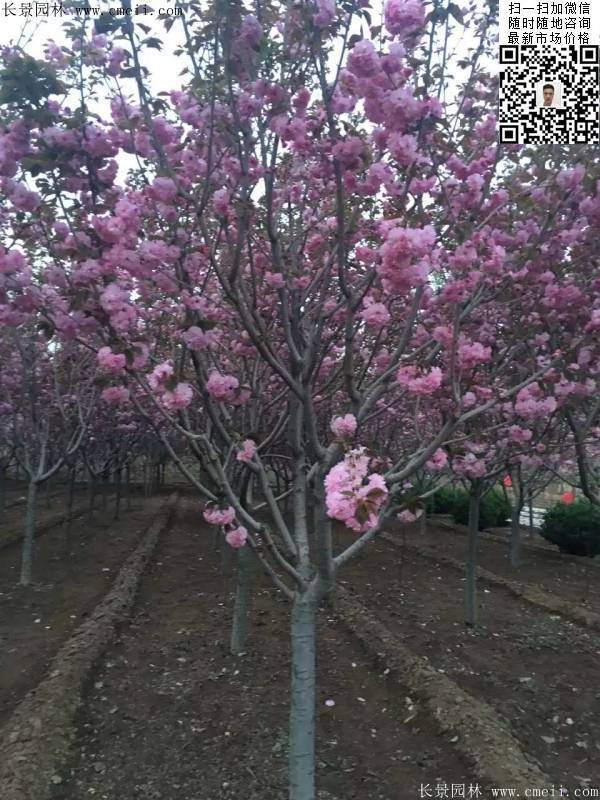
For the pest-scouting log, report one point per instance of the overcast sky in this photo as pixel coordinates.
(164, 66)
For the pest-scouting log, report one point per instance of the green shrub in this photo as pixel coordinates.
(573, 528)
(494, 509)
(442, 502)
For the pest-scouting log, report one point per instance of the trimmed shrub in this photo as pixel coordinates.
(574, 528)
(442, 502)
(494, 509)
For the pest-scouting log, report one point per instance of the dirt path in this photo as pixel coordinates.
(72, 571)
(574, 579)
(538, 670)
(12, 525)
(172, 716)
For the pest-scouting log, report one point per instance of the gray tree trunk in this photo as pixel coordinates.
(239, 627)
(27, 552)
(2, 492)
(471, 571)
(302, 710)
(70, 496)
(530, 515)
(91, 493)
(118, 488)
(128, 486)
(515, 535)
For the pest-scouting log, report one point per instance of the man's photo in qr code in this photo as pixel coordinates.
(549, 93)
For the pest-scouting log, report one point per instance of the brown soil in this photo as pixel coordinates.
(482, 737)
(536, 669)
(48, 514)
(572, 578)
(172, 715)
(72, 569)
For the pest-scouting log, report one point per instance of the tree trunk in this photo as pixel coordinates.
(70, 495)
(471, 572)
(402, 556)
(515, 535)
(239, 627)
(530, 515)
(27, 552)
(302, 711)
(105, 488)
(128, 486)
(91, 493)
(423, 523)
(2, 492)
(117, 492)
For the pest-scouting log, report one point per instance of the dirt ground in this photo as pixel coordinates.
(171, 715)
(536, 669)
(51, 507)
(573, 578)
(73, 568)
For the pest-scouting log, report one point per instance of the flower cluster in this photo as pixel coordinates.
(111, 362)
(404, 255)
(424, 384)
(226, 389)
(174, 396)
(247, 452)
(224, 517)
(352, 495)
(531, 403)
(197, 339)
(344, 427)
(404, 17)
(115, 395)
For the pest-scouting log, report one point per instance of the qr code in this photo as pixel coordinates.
(549, 94)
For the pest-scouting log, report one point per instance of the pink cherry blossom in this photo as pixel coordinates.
(353, 496)
(424, 384)
(237, 537)
(197, 339)
(111, 362)
(531, 404)
(222, 387)
(247, 452)
(363, 59)
(160, 374)
(218, 516)
(178, 398)
(164, 189)
(438, 460)
(344, 427)
(403, 17)
(326, 13)
(472, 353)
(375, 315)
(403, 255)
(115, 395)
(251, 30)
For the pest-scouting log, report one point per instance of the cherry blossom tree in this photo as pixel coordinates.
(314, 239)
(48, 395)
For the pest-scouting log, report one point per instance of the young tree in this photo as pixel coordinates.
(48, 389)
